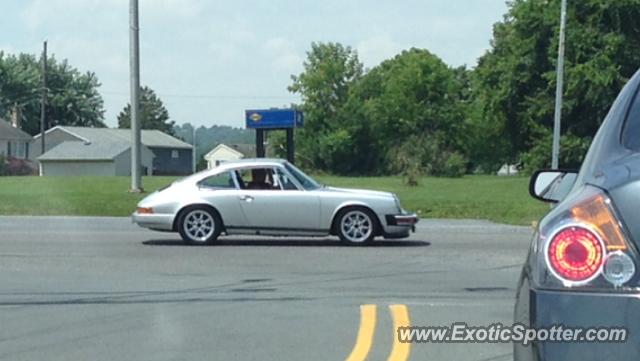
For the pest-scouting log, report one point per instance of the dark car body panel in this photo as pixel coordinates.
(583, 310)
(613, 165)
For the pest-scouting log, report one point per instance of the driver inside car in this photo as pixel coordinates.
(258, 179)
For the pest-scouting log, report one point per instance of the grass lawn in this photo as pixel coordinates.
(500, 199)
(82, 196)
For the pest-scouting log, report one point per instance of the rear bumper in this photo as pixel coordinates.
(162, 222)
(585, 310)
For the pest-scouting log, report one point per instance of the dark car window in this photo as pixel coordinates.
(631, 135)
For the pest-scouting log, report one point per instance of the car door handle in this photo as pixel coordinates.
(246, 198)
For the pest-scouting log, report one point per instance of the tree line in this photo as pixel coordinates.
(72, 99)
(412, 114)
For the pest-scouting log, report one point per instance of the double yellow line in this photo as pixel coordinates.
(399, 352)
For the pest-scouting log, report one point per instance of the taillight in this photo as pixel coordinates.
(587, 241)
(576, 254)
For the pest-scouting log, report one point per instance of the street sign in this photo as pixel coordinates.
(273, 118)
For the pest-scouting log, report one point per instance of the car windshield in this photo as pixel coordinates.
(307, 182)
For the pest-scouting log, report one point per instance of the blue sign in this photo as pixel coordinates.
(273, 118)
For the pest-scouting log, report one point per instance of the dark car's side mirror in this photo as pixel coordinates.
(552, 185)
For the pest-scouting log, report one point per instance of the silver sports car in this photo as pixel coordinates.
(270, 197)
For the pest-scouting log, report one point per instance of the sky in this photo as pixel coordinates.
(209, 60)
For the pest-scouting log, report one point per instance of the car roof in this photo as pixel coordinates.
(251, 162)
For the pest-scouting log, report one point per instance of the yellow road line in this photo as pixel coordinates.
(400, 315)
(365, 334)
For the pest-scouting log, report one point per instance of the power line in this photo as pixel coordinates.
(211, 96)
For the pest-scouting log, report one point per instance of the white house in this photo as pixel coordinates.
(224, 153)
(13, 141)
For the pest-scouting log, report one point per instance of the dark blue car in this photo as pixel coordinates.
(582, 269)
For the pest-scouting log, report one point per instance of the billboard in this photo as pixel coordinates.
(273, 118)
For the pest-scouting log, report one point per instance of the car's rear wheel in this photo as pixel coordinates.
(356, 226)
(199, 225)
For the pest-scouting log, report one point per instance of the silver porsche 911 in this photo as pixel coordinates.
(270, 197)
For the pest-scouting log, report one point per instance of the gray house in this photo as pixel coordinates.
(13, 141)
(106, 151)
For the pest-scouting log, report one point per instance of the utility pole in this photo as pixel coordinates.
(134, 63)
(43, 101)
(193, 155)
(559, 86)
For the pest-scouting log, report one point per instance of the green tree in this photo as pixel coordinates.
(153, 114)
(73, 97)
(329, 71)
(359, 123)
(413, 97)
(514, 82)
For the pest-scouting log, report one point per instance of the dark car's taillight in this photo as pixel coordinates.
(583, 244)
(575, 254)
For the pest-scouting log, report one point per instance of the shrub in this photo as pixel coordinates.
(3, 165)
(455, 166)
(425, 155)
(16, 167)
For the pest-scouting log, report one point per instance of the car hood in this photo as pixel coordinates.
(364, 192)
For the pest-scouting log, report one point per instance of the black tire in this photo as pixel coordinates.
(199, 225)
(356, 226)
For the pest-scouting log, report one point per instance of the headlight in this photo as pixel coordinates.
(144, 210)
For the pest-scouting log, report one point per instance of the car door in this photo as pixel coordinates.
(222, 191)
(281, 205)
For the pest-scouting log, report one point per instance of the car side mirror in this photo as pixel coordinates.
(552, 185)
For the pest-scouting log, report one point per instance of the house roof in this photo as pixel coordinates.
(243, 150)
(72, 150)
(247, 150)
(149, 138)
(8, 132)
(222, 146)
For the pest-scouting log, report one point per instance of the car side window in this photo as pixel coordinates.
(631, 136)
(282, 181)
(257, 179)
(223, 181)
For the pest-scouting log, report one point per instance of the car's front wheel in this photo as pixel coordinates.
(356, 226)
(199, 225)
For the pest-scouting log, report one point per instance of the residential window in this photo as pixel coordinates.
(175, 154)
(20, 149)
(9, 149)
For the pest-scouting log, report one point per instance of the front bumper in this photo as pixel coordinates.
(161, 222)
(400, 225)
(584, 310)
(407, 220)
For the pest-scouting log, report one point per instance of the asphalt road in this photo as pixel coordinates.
(103, 289)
